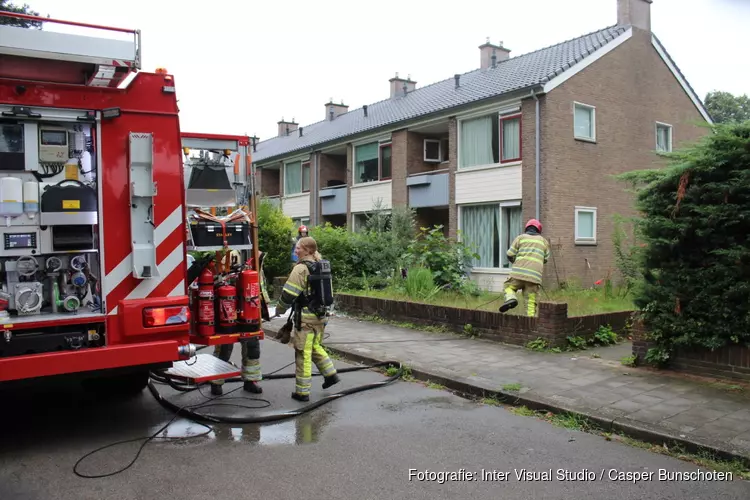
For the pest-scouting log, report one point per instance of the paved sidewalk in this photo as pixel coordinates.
(634, 400)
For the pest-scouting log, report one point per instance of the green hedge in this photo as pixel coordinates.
(695, 264)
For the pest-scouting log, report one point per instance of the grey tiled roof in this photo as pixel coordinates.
(517, 73)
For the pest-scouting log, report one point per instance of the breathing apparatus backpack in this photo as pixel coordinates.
(319, 293)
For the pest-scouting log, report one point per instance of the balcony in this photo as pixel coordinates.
(275, 201)
(428, 189)
(333, 200)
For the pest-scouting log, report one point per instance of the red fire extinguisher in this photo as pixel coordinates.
(250, 301)
(226, 304)
(205, 303)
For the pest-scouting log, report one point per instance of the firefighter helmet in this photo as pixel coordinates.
(302, 229)
(534, 223)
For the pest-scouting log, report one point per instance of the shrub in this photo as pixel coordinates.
(695, 221)
(275, 239)
(448, 259)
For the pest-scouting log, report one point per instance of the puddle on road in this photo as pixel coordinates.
(440, 402)
(305, 429)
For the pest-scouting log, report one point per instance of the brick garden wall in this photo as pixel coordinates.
(731, 362)
(551, 324)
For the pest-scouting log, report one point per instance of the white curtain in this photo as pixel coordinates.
(511, 227)
(293, 178)
(479, 229)
(583, 122)
(476, 141)
(365, 155)
(662, 142)
(511, 139)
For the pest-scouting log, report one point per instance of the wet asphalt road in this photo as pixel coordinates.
(358, 447)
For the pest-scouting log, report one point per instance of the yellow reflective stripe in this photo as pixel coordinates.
(291, 291)
(522, 259)
(293, 285)
(532, 241)
(527, 272)
(540, 252)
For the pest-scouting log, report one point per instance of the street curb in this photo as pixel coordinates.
(635, 430)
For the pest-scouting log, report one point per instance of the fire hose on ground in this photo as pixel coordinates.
(189, 410)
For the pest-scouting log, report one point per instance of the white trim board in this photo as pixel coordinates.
(587, 61)
(667, 60)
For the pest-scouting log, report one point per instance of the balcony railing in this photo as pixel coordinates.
(428, 189)
(333, 200)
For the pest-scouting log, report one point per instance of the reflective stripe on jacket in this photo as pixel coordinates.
(531, 252)
(296, 285)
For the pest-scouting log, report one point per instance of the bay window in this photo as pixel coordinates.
(489, 229)
(491, 139)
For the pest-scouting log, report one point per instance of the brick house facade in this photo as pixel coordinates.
(468, 159)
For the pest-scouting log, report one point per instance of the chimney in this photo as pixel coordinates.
(636, 13)
(286, 128)
(333, 110)
(364, 108)
(458, 80)
(491, 55)
(401, 87)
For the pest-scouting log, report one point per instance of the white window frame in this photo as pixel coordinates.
(584, 240)
(439, 143)
(669, 136)
(382, 144)
(500, 205)
(500, 114)
(591, 108)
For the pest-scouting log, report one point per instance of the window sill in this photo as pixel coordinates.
(488, 167)
(585, 243)
(296, 195)
(585, 139)
(372, 183)
(491, 270)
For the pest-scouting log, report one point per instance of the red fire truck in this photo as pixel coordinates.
(93, 206)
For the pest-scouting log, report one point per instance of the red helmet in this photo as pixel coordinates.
(302, 229)
(534, 223)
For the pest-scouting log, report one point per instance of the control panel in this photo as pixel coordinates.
(53, 144)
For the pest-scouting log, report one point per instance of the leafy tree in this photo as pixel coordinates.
(274, 239)
(727, 108)
(695, 223)
(8, 6)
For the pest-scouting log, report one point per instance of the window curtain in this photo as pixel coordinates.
(293, 178)
(511, 227)
(363, 154)
(511, 138)
(306, 177)
(479, 230)
(476, 142)
(661, 139)
(583, 122)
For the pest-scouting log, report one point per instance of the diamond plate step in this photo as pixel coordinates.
(202, 368)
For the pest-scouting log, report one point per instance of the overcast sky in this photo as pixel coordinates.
(240, 66)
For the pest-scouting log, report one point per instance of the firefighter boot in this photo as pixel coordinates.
(252, 386)
(300, 397)
(510, 300)
(331, 380)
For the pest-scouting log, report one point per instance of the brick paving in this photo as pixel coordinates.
(677, 407)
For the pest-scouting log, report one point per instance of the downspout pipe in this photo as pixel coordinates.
(537, 155)
(315, 189)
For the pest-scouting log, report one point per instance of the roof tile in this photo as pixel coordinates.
(516, 73)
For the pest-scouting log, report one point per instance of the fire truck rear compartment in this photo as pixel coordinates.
(53, 339)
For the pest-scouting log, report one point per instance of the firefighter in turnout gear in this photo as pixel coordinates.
(529, 252)
(307, 292)
(251, 370)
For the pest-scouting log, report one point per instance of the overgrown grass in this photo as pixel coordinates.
(581, 301)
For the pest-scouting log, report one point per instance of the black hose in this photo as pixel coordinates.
(188, 411)
(198, 417)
